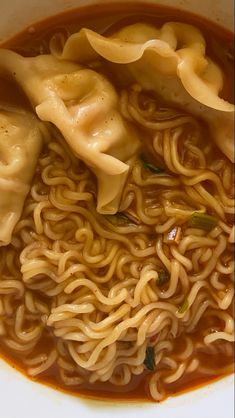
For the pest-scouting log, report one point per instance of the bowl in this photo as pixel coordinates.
(23, 398)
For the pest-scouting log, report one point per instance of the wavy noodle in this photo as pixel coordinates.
(90, 286)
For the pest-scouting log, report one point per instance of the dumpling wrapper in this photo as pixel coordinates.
(83, 105)
(20, 145)
(171, 61)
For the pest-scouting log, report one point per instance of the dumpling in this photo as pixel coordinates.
(171, 61)
(20, 145)
(84, 107)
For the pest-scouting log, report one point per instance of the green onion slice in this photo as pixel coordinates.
(202, 221)
(119, 219)
(184, 307)
(150, 166)
(149, 360)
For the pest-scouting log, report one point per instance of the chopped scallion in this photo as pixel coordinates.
(119, 219)
(150, 166)
(184, 307)
(149, 360)
(202, 221)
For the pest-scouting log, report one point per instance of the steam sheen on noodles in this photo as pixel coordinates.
(147, 288)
